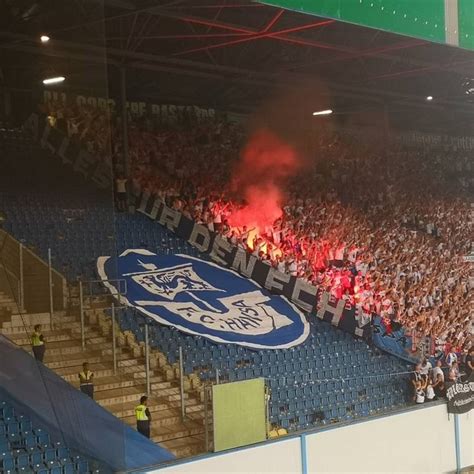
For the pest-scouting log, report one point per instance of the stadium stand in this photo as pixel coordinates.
(331, 377)
(70, 418)
(25, 447)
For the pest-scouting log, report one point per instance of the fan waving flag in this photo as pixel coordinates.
(201, 298)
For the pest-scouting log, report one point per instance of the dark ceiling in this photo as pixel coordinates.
(224, 53)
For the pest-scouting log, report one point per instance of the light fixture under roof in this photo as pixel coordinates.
(44, 38)
(53, 80)
(429, 98)
(323, 112)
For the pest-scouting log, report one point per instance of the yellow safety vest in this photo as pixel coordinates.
(35, 339)
(140, 413)
(273, 434)
(85, 377)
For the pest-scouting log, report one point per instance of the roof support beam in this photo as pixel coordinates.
(94, 54)
(280, 35)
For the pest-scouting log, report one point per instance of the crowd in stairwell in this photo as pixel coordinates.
(384, 228)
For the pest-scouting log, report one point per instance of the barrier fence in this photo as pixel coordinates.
(33, 283)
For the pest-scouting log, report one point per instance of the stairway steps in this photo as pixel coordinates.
(123, 410)
(50, 338)
(117, 396)
(168, 416)
(70, 346)
(119, 393)
(105, 383)
(178, 444)
(178, 434)
(22, 330)
(161, 418)
(59, 361)
(70, 374)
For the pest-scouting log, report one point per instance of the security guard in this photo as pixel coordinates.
(38, 343)
(143, 417)
(86, 380)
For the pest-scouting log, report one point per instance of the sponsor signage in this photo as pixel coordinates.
(460, 396)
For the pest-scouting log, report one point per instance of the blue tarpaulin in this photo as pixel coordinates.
(70, 416)
(395, 341)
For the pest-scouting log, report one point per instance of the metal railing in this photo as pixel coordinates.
(32, 282)
(114, 310)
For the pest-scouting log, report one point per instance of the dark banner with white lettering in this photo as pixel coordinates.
(301, 293)
(70, 151)
(460, 396)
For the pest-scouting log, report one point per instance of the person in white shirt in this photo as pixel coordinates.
(121, 193)
(430, 393)
(451, 358)
(425, 367)
(281, 266)
(437, 372)
(453, 374)
(420, 393)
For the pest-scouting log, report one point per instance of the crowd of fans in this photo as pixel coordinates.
(430, 383)
(383, 227)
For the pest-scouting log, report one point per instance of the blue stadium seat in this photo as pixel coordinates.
(82, 467)
(43, 441)
(23, 462)
(36, 460)
(8, 465)
(69, 468)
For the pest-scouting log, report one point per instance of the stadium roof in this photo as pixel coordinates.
(226, 53)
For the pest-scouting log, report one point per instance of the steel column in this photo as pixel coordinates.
(22, 281)
(123, 99)
(147, 360)
(181, 383)
(81, 310)
(50, 277)
(114, 342)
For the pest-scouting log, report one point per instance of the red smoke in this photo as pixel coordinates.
(266, 163)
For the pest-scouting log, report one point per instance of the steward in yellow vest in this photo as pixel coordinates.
(86, 380)
(142, 413)
(38, 343)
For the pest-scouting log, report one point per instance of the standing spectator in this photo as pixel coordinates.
(451, 357)
(416, 380)
(425, 367)
(86, 380)
(469, 366)
(143, 416)
(121, 192)
(38, 343)
(438, 379)
(430, 393)
(420, 391)
(453, 374)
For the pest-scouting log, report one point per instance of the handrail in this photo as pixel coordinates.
(33, 254)
(9, 271)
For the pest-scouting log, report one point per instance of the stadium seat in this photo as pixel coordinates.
(23, 451)
(8, 465)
